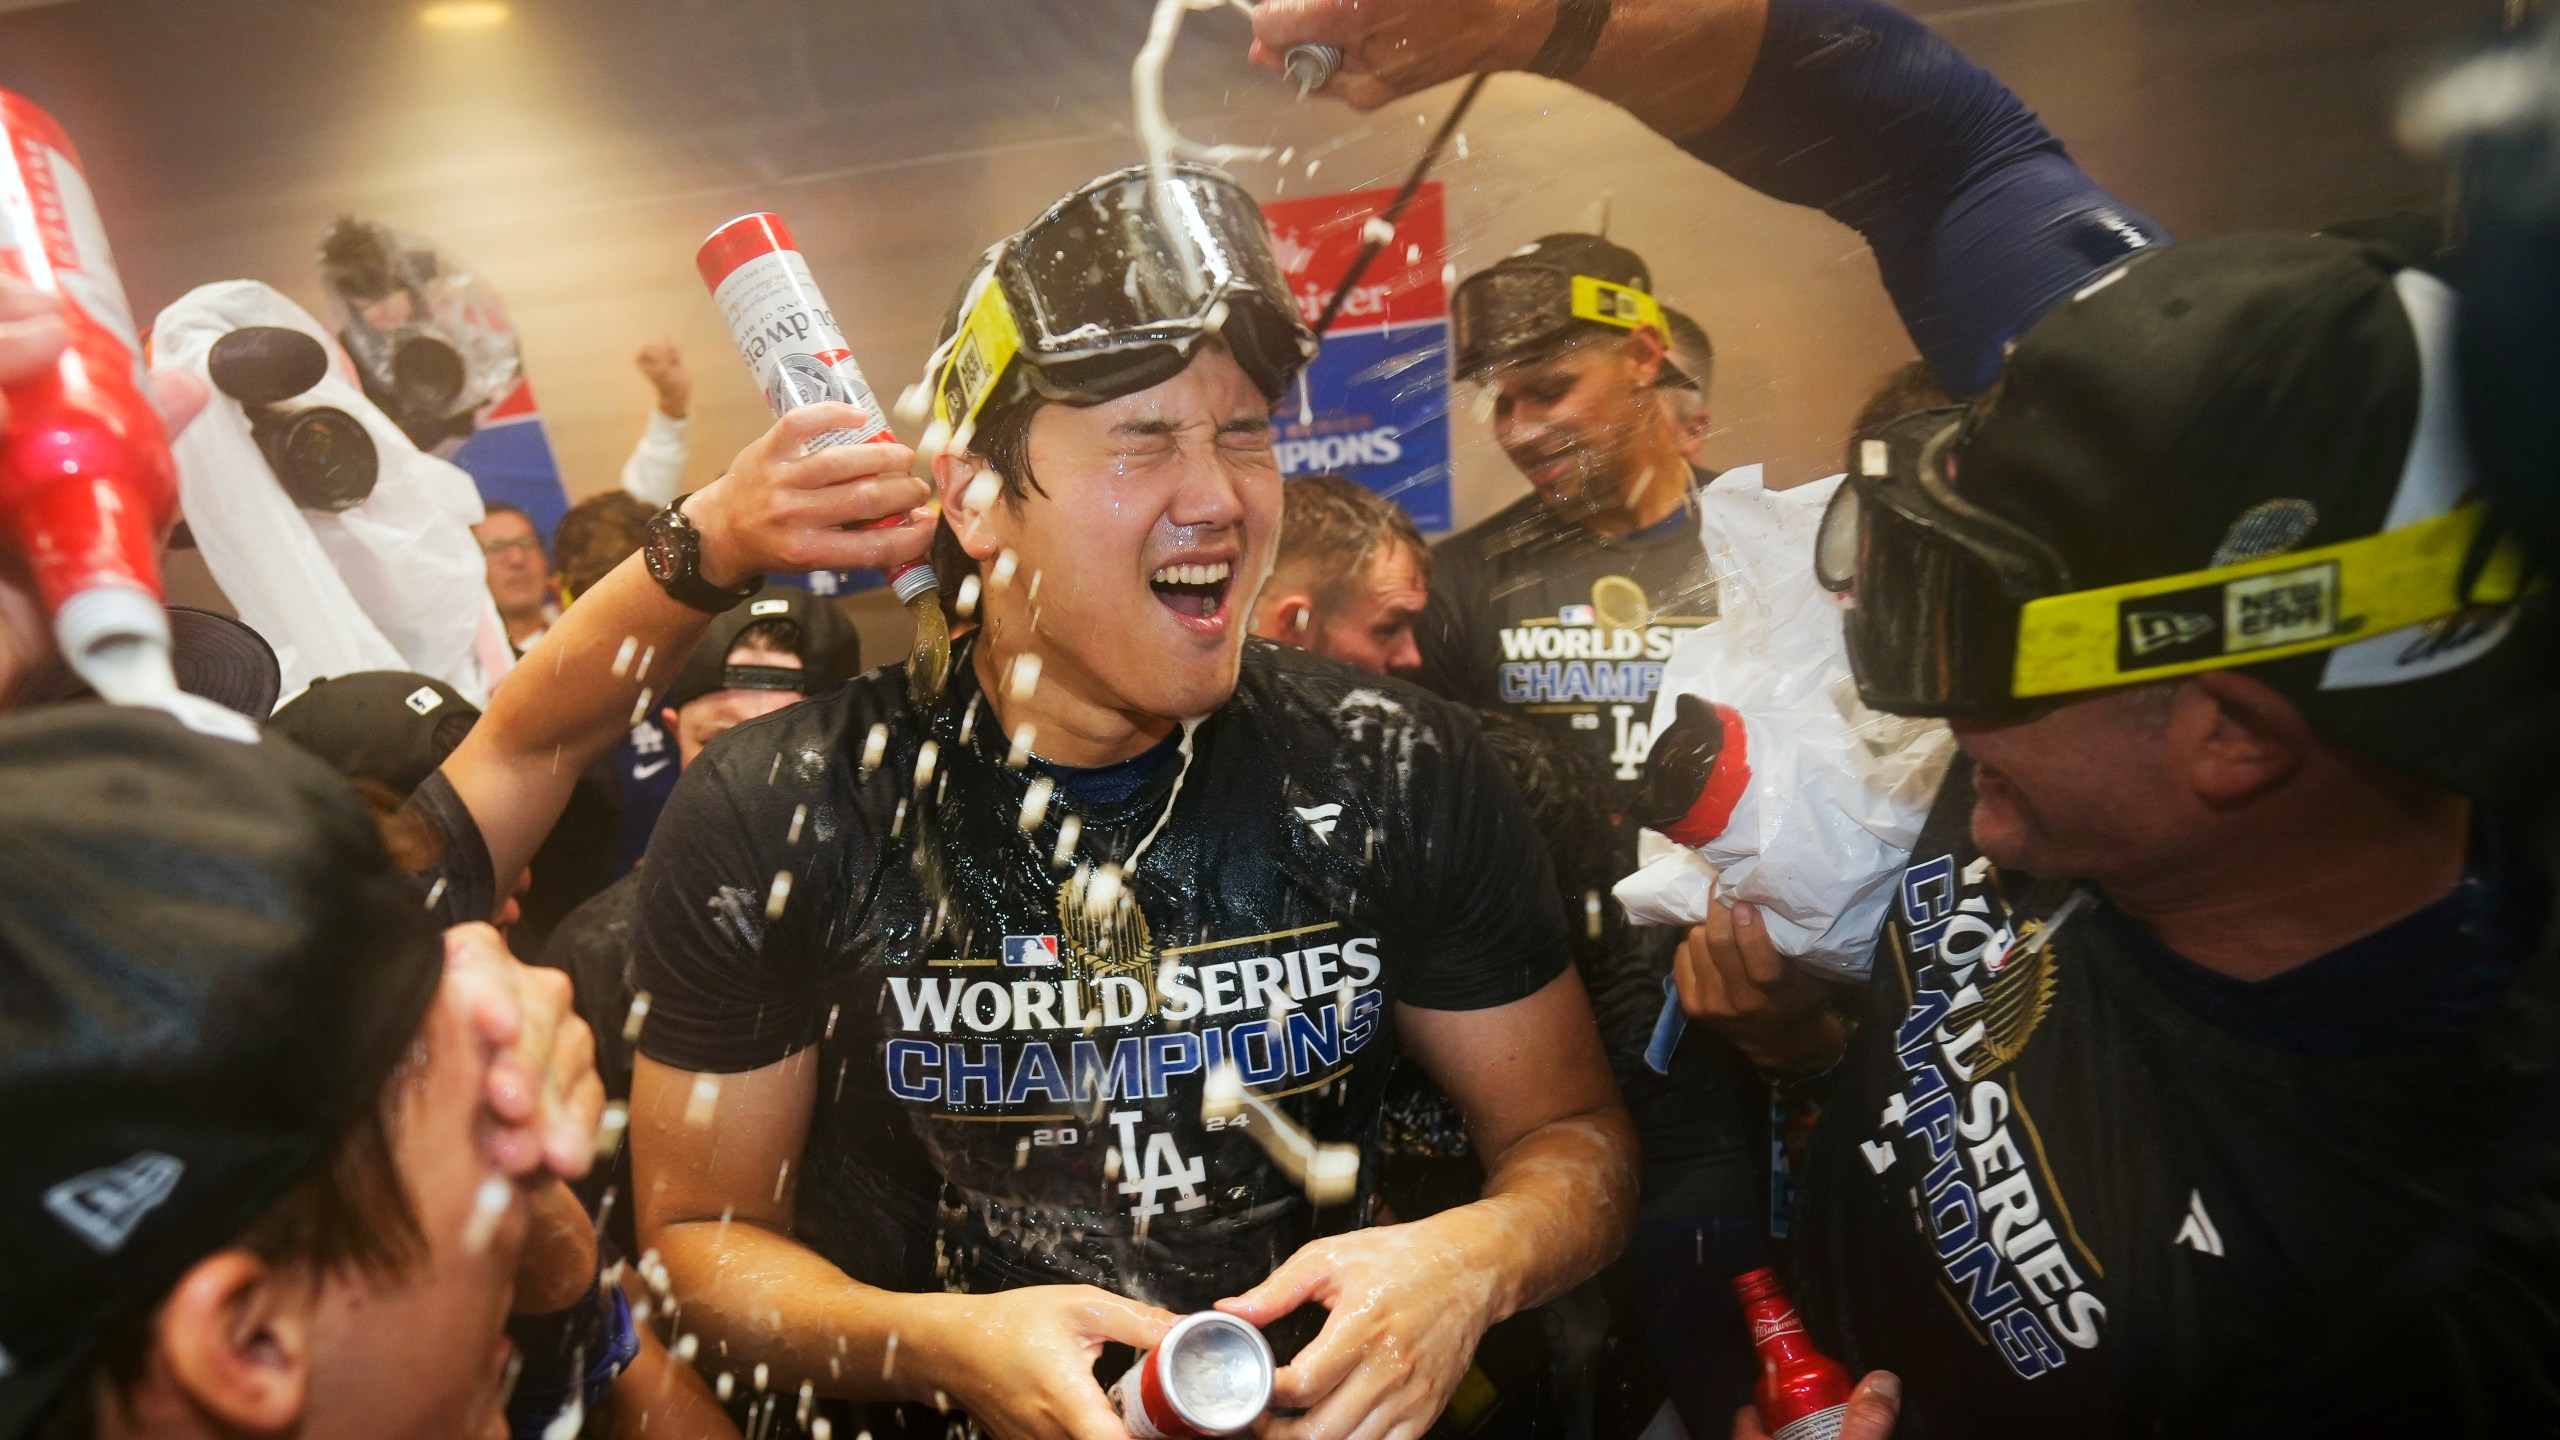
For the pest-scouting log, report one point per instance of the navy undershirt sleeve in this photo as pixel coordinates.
(1978, 219)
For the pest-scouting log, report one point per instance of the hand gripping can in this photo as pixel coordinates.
(87, 486)
(1803, 1394)
(789, 339)
(783, 327)
(1210, 1376)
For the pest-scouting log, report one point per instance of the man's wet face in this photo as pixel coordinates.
(423, 1355)
(1574, 424)
(1136, 569)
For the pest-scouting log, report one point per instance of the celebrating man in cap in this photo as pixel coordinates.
(939, 985)
(2207, 1080)
(253, 1188)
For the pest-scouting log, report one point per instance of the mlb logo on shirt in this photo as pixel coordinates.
(1576, 615)
(1031, 949)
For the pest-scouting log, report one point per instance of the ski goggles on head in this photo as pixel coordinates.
(1954, 611)
(1111, 292)
(1517, 312)
(1934, 584)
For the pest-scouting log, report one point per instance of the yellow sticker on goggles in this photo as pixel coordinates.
(989, 338)
(1624, 306)
(2263, 609)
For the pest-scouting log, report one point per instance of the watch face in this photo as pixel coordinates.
(668, 550)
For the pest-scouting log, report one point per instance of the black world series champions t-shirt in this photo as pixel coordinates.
(2058, 1202)
(1014, 1097)
(1518, 622)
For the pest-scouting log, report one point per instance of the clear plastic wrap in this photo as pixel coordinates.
(393, 582)
(1810, 802)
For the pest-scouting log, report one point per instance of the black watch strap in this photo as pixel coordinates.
(1575, 36)
(683, 580)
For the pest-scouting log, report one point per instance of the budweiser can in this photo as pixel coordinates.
(783, 328)
(1211, 1376)
(1803, 1394)
(87, 486)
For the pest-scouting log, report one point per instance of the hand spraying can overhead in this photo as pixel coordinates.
(87, 487)
(790, 342)
(1211, 1375)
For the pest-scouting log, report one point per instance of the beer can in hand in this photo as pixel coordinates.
(790, 340)
(1211, 1376)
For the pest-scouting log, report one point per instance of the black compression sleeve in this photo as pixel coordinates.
(1978, 218)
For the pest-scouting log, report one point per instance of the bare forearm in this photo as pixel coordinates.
(773, 1301)
(575, 693)
(1557, 1205)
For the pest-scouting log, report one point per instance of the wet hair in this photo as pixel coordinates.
(1908, 390)
(781, 637)
(1331, 528)
(348, 1213)
(598, 533)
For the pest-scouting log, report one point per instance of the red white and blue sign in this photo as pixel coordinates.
(509, 457)
(1031, 950)
(1376, 407)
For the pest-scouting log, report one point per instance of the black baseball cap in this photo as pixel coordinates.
(213, 656)
(2242, 451)
(207, 965)
(392, 727)
(830, 649)
(1524, 308)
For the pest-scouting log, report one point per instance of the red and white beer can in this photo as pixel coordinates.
(87, 487)
(1210, 1376)
(789, 339)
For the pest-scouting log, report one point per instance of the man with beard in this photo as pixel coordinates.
(937, 981)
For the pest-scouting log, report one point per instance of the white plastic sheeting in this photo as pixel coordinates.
(395, 583)
(1836, 792)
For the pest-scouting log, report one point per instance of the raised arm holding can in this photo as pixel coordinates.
(789, 339)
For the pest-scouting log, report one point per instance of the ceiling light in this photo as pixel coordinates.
(464, 14)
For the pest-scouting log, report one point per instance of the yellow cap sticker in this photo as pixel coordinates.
(989, 338)
(1624, 306)
(2262, 609)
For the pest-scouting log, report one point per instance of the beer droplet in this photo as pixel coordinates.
(704, 1101)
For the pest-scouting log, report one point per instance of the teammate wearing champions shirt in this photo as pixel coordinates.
(2205, 1082)
(936, 982)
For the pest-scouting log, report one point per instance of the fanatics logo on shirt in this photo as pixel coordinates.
(1023, 950)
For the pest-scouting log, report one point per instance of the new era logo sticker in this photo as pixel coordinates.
(1319, 818)
(103, 1206)
(2232, 617)
(424, 700)
(2149, 632)
(769, 607)
(1031, 949)
(2285, 608)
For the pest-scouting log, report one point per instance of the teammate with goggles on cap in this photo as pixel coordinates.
(2207, 1081)
(1559, 610)
(938, 983)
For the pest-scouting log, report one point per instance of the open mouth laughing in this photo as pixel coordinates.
(1196, 592)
